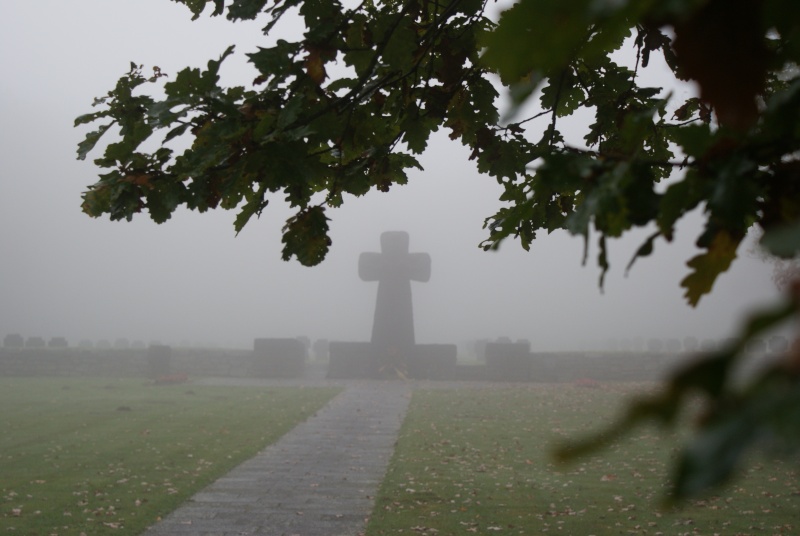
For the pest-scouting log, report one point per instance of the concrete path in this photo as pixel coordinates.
(320, 479)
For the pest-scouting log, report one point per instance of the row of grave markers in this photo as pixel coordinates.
(288, 358)
(319, 349)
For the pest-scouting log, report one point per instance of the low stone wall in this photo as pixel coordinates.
(279, 358)
(351, 360)
(124, 362)
(358, 360)
(512, 362)
(433, 361)
(508, 361)
(347, 361)
(602, 367)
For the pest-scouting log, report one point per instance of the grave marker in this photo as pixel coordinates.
(394, 268)
(13, 340)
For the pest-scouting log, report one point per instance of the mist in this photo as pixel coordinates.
(193, 281)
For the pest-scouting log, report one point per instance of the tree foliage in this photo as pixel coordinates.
(347, 107)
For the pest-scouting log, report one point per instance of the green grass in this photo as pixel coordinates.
(478, 462)
(110, 457)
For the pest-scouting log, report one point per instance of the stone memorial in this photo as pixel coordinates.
(394, 268)
(13, 340)
(278, 358)
(392, 351)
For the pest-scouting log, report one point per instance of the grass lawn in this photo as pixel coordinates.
(478, 461)
(110, 456)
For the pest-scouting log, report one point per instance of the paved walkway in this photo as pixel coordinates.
(320, 479)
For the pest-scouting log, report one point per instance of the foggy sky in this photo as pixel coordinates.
(191, 279)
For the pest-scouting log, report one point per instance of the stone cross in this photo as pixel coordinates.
(394, 269)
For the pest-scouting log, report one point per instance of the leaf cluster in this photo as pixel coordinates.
(403, 71)
(348, 106)
(647, 160)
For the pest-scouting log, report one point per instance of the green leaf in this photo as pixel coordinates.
(254, 206)
(563, 93)
(680, 198)
(645, 250)
(305, 236)
(274, 61)
(194, 82)
(322, 18)
(160, 206)
(549, 32)
(707, 266)
(602, 259)
(197, 6)
(416, 132)
(695, 140)
(735, 199)
(91, 140)
(175, 132)
(88, 118)
(359, 48)
(245, 9)
(401, 44)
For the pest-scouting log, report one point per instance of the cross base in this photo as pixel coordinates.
(364, 360)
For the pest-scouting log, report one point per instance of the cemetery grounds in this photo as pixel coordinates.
(110, 457)
(479, 461)
(103, 456)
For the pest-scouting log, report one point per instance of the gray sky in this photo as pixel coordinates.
(191, 279)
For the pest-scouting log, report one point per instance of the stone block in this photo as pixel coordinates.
(159, 360)
(278, 358)
(57, 342)
(508, 361)
(351, 360)
(432, 361)
(13, 340)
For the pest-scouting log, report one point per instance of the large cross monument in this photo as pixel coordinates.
(394, 268)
